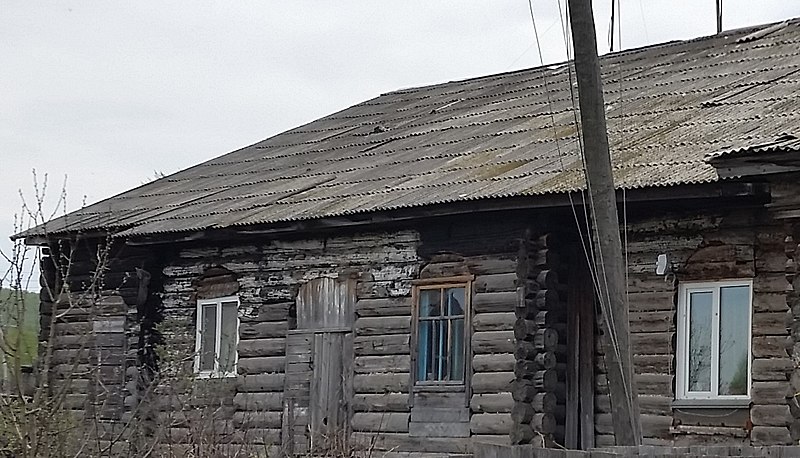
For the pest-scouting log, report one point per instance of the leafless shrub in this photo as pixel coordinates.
(58, 406)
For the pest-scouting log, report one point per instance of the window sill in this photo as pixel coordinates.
(439, 388)
(711, 403)
(212, 375)
(693, 430)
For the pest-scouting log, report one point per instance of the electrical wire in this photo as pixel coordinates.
(555, 136)
(644, 22)
(611, 26)
(591, 262)
(596, 253)
(604, 305)
(591, 259)
(621, 129)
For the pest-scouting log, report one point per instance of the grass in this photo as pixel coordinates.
(20, 323)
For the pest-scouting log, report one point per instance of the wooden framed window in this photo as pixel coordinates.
(714, 340)
(441, 332)
(217, 337)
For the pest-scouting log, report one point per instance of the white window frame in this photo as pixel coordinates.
(215, 373)
(682, 359)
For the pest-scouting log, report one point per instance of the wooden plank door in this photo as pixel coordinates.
(330, 390)
(579, 422)
(319, 367)
(297, 391)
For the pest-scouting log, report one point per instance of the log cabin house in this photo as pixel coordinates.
(415, 271)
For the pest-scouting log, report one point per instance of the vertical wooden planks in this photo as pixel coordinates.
(328, 396)
(586, 323)
(579, 428)
(297, 390)
(320, 394)
(325, 309)
(572, 426)
(326, 303)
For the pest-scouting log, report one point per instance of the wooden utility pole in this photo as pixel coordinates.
(610, 268)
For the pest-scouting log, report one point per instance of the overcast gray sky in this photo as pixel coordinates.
(109, 93)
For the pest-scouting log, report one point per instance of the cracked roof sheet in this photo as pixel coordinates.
(669, 108)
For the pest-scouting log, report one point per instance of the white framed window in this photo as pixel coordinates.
(217, 337)
(714, 340)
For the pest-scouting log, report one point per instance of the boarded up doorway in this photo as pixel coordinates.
(319, 361)
(581, 320)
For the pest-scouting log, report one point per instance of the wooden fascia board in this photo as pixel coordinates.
(718, 190)
(750, 169)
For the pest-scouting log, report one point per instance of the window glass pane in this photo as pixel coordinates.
(455, 301)
(208, 337)
(699, 370)
(427, 350)
(227, 340)
(442, 353)
(457, 349)
(429, 302)
(734, 316)
(440, 341)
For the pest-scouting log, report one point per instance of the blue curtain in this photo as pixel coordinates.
(423, 350)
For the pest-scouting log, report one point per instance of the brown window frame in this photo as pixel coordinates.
(442, 284)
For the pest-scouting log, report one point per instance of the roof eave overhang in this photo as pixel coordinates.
(724, 189)
(683, 193)
(750, 167)
(42, 239)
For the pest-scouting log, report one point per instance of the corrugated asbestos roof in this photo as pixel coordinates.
(669, 107)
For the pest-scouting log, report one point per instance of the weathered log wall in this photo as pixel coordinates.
(268, 276)
(792, 249)
(727, 244)
(382, 351)
(93, 344)
(248, 410)
(494, 298)
(539, 392)
(785, 206)
(519, 334)
(490, 252)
